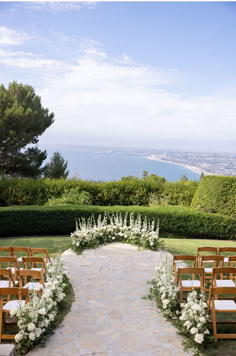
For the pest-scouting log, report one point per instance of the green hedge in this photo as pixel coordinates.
(59, 220)
(216, 194)
(127, 191)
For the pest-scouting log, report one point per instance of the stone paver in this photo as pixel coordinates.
(108, 317)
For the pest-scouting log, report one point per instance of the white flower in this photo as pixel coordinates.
(31, 326)
(18, 337)
(199, 338)
(38, 332)
(196, 307)
(202, 320)
(32, 336)
(42, 311)
(187, 324)
(193, 331)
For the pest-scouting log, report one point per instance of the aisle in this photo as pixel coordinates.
(108, 317)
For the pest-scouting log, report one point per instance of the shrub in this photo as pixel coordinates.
(73, 196)
(59, 220)
(216, 194)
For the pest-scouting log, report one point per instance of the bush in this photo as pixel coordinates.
(59, 220)
(73, 196)
(216, 194)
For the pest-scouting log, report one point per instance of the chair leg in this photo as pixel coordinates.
(1, 305)
(214, 321)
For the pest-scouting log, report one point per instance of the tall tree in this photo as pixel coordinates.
(22, 121)
(57, 168)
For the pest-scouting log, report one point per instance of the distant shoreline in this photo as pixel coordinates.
(194, 169)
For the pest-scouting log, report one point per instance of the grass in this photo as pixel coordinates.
(54, 244)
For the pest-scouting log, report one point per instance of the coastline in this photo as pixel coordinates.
(194, 169)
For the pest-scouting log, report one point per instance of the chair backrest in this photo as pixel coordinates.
(5, 249)
(10, 260)
(24, 274)
(4, 272)
(34, 261)
(212, 259)
(230, 273)
(216, 291)
(19, 293)
(191, 270)
(227, 249)
(41, 251)
(231, 261)
(213, 250)
(15, 249)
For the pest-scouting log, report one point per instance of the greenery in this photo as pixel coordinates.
(57, 167)
(151, 190)
(216, 194)
(139, 231)
(53, 220)
(74, 197)
(22, 121)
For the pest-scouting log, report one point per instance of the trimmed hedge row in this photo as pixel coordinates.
(127, 191)
(60, 220)
(216, 194)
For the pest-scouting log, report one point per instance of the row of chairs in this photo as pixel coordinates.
(219, 280)
(17, 282)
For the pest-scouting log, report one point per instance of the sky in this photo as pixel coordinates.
(133, 74)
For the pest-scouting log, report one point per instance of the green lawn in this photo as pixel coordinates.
(54, 244)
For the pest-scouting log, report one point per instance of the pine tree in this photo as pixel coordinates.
(57, 168)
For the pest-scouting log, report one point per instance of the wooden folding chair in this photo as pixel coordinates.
(208, 250)
(178, 261)
(222, 306)
(5, 309)
(214, 261)
(36, 282)
(223, 250)
(40, 251)
(7, 279)
(188, 285)
(33, 262)
(11, 263)
(218, 275)
(24, 251)
(232, 261)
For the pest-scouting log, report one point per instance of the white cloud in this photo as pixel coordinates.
(100, 100)
(11, 37)
(58, 6)
(27, 60)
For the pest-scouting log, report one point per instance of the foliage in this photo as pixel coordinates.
(36, 319)
(216, 194)
(59, 220)
(73, 196)
(22, 121)
(92, 232)
(57, 168)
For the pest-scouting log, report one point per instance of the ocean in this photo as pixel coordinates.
(101, 166)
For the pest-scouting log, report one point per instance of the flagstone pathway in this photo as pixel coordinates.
(108, 317)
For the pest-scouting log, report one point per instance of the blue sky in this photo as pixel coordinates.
(138, 74)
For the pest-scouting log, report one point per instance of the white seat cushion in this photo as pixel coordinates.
(189, 284)
(226, 259)
(5, 284)
(224, 283)
(36, 269)
(225, 305)
(14, 304)
(33, 286)
(13, 270)
(208, 270)
(19, 259)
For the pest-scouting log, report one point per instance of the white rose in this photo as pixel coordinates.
(202, 320)
(199, 338)
(32, 336)
(31, 326)
(194, 331)
(18, 337)
(42, 311)
(38, 332)
(187, 324)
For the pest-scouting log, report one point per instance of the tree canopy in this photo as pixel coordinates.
(22, 121)
(57, 168)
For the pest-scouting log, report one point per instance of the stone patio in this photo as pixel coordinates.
(108, 317)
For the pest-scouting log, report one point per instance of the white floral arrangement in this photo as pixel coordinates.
(194, 317)
(166, 291)
(92, 232)
(36, 317)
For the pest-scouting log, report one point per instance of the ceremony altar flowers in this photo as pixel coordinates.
(137, 230)
(36, 318)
